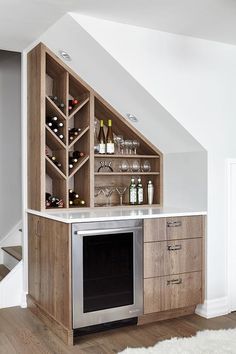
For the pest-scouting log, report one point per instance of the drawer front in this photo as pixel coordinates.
(161, 229)
(184, 227)
(172, 257)
(172, 292)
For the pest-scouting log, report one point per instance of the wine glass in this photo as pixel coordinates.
(118, 139)
(145, 166)
(108, 190)
(121, 191)
(124, 166)
(135, 166)
(97, 191)
(128, 146)
(135, 145)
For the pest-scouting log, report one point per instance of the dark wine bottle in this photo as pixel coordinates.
(77, 154)
(110, 147)
(101, 139)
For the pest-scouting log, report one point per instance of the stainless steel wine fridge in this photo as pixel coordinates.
(107, 272)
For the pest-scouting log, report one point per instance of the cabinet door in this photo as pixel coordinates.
(172, 257)
(50, 267)
(161, 229)
(172, 292)
(34, 256)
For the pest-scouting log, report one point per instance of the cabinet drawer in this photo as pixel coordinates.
(171, 292)
(161, 229)
(172, 257)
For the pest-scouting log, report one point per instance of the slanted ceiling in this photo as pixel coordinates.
(93, 64)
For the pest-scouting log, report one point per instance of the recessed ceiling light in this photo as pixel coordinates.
(64, 55)
(131, 117)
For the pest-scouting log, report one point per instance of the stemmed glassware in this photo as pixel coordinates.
(128, 146)
(124, 166)
(118, 139)
(135, 145)
(108, 190)
(121, 191)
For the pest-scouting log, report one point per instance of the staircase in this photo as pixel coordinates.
(11, 276)
(11, 257)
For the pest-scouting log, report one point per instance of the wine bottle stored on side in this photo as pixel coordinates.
(77, 154)
(73, 133)
(110, 146)
(54, 160)
(74, 199)
(101, 139)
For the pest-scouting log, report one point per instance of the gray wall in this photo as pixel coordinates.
(10, 141)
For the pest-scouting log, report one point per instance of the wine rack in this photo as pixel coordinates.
(63, 111)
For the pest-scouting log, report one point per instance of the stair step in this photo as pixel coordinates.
(14, 251)
(3, 271)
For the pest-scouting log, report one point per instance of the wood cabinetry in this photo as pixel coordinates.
(51, 86)
(49, 259)
(173, 263)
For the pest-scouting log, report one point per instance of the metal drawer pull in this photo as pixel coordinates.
(174, 281)
(174, 223)
(174, 248)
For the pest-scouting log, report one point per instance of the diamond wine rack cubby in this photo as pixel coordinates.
(63, 119)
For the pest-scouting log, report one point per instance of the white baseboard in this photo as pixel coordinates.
(23, 300)
(213, 308)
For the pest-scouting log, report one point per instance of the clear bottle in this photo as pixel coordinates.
(101, 139)
(150, 192)
(139, 191)
(110, 146)
(132, 192)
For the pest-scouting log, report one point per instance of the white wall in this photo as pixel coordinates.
(10, 141)
(194, 80)
(185, 176)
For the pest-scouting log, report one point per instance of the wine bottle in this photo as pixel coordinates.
(72, 104)
(110, 146)
(53, 98)
(54, 160)
(73, 133)
(77, 154)
(101, 139)
(132, 192)
(139, 191)
(74, 199)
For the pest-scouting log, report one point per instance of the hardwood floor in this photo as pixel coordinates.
(21, 332)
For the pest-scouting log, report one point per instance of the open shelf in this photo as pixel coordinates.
(127, 173)
(124, 156)
(53, 140)
(78, 165)
(79, 107)
(84, 131)
(53, 171)
(80, 126)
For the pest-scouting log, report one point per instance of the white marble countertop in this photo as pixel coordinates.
(114, 213)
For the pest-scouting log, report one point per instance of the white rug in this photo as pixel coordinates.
(205, 342)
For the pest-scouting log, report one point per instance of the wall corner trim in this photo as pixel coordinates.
(213, 308)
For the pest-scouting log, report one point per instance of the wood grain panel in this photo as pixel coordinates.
(36, 134)
(161, 295)
(50, 267)
(189, 227)
(34, 257)
(160, 258)
(154, 229)
(161, 229)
